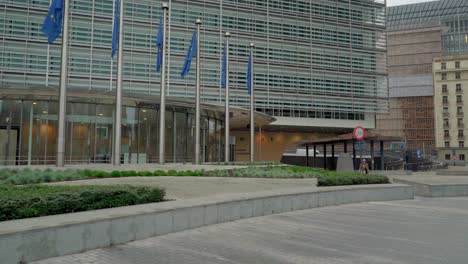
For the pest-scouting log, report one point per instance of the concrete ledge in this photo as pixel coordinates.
(45, 237)
(428, 189)
(452, 172)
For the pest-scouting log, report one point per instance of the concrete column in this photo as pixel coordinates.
(307, 155)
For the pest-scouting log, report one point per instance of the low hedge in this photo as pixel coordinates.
(325, 177)
(17, 202)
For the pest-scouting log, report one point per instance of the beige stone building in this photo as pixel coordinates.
(451, 106)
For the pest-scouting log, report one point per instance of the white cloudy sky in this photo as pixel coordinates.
(404, 2)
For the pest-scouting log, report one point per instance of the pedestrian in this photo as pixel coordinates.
(364, 167)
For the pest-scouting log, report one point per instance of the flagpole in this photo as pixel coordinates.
(252, 106)
(63, 88)
(118, 97)
(226, 118)
(197, 99)
(162, 105)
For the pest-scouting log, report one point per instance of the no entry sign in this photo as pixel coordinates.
(359, 133)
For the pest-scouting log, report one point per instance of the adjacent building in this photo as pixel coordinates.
(416, 34)
(320, 70)
(450, 92)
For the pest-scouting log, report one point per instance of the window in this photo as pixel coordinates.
(460, 133)
(444, 76)
(445, 99)
(447, 144)
(462, 157)
(446, 122)
(459, 99)
(458, 75)
(446, 133)
(461, 144)
(444, 88)
(443, 65)
(460, 121)
(459, 87)
(459, 110)
(447, 156)
(457, 65)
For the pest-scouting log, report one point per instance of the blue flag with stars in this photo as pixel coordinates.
(116, 29)
(191, 52)
(52, 26)
(223, 69)
(249, 76)
(159, 44)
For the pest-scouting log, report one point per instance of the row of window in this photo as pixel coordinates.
(458, 88)
(460, 133)
(460, 157)
(461, 144)
(445, 99)
(444, 76)
(443, 65)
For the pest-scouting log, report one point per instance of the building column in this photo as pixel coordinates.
(345, 147)
(307, 155)
(372, 155)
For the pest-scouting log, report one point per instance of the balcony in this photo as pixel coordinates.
(447, 137)
(461, 125)
(446, 126)
(446, 114)
(460, 103)
(444, 92)
(461, 137)
(459, 91)
(460, 114)
(445, 103)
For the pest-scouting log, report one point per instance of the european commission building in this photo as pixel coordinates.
(319, 64)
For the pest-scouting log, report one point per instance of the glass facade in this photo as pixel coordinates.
(28, 132)
(319, 59)
(314, 58)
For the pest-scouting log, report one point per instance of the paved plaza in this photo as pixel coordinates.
(193, 187)
(421, 231)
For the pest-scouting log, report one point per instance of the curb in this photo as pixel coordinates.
(436, 190)
(51, 236)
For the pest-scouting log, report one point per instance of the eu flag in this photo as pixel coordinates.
(159, 44)
(249, 76)
(223, 69)
(191, 52)
(52, 26)
(115, 31)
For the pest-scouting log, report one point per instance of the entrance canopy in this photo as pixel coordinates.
(346, 139)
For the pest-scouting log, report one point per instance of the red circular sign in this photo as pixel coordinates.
(359, 133)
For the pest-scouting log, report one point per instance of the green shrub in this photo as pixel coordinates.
(159, 173)
(41, 200)
(145, 173)
(115, 174)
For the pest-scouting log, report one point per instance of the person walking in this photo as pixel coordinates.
(364, 167)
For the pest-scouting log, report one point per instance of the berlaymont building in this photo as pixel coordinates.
(320, 70)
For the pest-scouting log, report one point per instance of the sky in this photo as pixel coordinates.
(404, 2)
